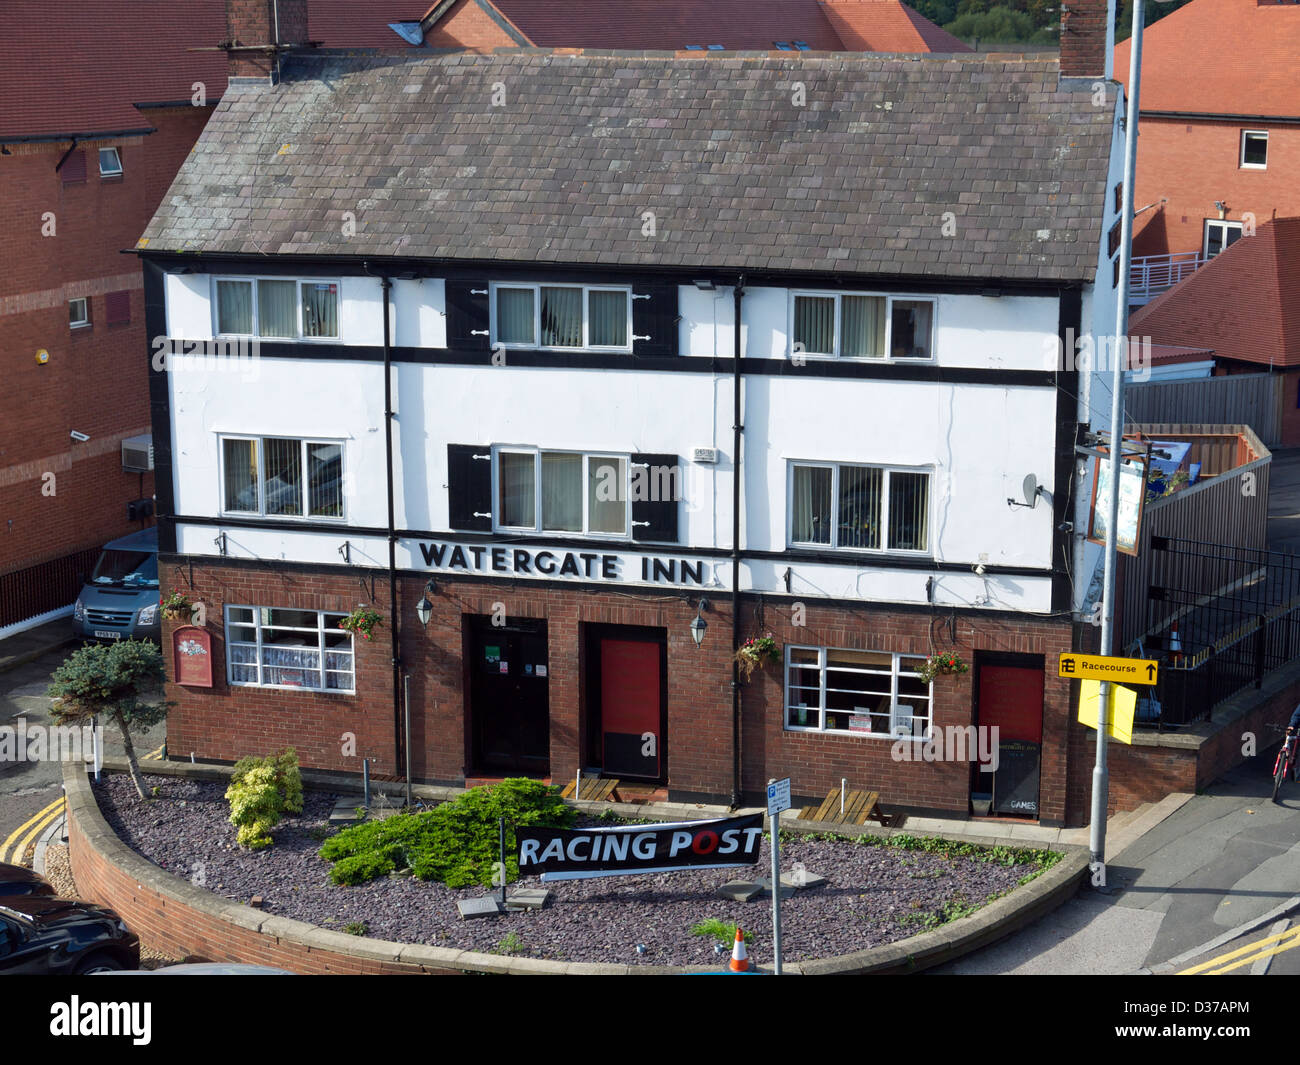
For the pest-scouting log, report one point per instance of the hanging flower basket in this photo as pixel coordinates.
(362, 621)
(756, 652)
(176, 607)
(940, 665)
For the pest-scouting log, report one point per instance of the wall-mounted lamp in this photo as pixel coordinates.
(698, 624)
(704, 286)
(424, 608)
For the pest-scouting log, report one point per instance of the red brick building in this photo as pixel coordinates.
(1220, 124)
(98, 115)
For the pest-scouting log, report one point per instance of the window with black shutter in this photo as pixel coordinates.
(654, 318)
(467, 315)
(469, 487)
(657, 486)
(117, 306)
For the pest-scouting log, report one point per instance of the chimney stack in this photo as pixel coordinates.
(259, 30)
(1087, 38)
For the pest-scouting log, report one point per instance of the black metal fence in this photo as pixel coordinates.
(36, 590)
(1211, 646)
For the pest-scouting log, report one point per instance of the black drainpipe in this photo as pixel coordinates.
(737, 430)
(387, 284)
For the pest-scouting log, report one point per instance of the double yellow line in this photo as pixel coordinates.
(1254, 952)
(13, 848)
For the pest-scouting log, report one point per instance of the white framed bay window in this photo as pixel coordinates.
(561, 492)
(575, 317)
(870, 508)
(863, 693)
(281, 477)
(861, 325)
(270, 647)
(276, 307)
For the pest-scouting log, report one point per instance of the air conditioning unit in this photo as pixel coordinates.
(137, 453)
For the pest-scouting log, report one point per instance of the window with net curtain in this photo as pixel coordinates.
(289, 648)
(267, 476)
(844, 325)
(864, 507)
(572, 486)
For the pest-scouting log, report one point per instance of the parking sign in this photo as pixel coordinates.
(778, 796)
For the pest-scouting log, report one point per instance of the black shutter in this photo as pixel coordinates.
(469, 487)
(655, 317)
(467, 315)
(653, 477)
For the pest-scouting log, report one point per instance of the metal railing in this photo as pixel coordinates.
(52, 585)
(1150, 275)
(1212, 646)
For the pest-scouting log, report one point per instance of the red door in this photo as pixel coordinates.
(631, 707)
(1011, 699)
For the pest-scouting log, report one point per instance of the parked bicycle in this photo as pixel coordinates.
(1286, 759)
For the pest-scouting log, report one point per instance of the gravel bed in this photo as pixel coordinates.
(874, 895)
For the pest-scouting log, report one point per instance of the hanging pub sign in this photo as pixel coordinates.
(192, 656)
(1132, 497)
(579, 854)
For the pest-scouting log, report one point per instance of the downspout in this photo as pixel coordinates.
(387, 284)
(738, 429)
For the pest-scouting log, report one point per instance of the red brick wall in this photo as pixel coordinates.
(1083, 40)
(467, 25)
(226, 724)
(96, 378)
(1193, 164)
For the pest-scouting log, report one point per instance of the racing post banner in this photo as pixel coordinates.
(578, 854)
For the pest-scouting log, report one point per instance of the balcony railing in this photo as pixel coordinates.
(1151, 275)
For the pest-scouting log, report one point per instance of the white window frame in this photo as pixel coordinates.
(1225, 225)
(896, 661)
(303, 442)
(117, 156)
(536, 288)
(1241, 159)
(84, 320)
(255, 334)
(537, 527)
(321, 650)
(834, 545)
(890, 299)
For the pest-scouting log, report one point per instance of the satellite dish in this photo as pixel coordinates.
(1031, 490)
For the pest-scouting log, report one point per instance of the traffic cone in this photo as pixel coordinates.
(739, 959)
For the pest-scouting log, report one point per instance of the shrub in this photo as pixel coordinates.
(261, 791)
(456, 842)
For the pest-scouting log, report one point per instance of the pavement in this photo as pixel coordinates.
(23, 647)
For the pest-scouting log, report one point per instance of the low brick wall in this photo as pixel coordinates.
(174, 916)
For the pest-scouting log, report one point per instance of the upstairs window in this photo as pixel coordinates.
(854, 325)
(581, 317)
(562, 491)
(110, 163)
(277, 308)
(1254, 149)
(871, 508)
(1220, 234)
(280, 477)
(79, 312)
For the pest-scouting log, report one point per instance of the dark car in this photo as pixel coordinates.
(17, 880)
(44, 935)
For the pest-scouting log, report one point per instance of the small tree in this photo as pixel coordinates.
(109, 680)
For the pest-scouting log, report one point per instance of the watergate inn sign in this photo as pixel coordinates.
(579, 854)
(602, 566)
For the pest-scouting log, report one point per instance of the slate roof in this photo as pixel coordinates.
(1244, 303)
(856, 180)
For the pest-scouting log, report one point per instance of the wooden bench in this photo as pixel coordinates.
(594, 789)
(859, 807)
